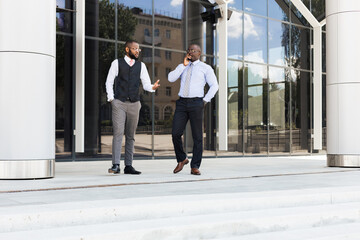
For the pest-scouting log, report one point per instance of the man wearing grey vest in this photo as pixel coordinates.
(122, 87)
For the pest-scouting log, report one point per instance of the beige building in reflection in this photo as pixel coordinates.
(168, 35)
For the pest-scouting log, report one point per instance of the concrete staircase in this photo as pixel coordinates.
(326, 213)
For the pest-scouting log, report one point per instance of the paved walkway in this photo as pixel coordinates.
(84, 181)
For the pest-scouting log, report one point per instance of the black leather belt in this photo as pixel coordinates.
(191, 99)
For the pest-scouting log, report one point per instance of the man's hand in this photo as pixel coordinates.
(187, 59)
(156, 85)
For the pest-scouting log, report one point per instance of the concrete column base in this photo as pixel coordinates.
(27, 169)
(340, 160)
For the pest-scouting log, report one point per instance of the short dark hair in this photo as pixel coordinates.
(128, 42)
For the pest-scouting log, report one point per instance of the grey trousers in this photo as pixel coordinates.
(125, 117)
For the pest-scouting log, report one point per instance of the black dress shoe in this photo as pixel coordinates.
(130, 170)
(114, 169)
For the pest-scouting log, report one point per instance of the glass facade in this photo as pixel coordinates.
(269, 74)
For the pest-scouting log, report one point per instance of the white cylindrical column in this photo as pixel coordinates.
(27, 88)
(343, 82)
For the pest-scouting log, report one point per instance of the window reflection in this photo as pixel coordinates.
(300, 42)
(255, 109)
(235, 35)
(133, 18)
(279, 131)
(256, 6)
(279, 43)
(255, 37)
(169, 24)
(300, 111)
(236, 4)
(235, 108)
(279, 9)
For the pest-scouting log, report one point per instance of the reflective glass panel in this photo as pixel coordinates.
(200, 29)
(279, 131)
(279, 52)
(256, 6)
(300, 111)
(64, 18)
(98, 134)
(165, 100)
(235, 108)
(235, 4)
(279, 9)
(255, 109)
(235, 36)
(168, 24)
(317, 8)
(100, 19)
(296, 16)
(255, 39)
(300, 52)
(133, 18)
(64, 108)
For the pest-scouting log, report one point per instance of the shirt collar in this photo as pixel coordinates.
(127, 59)
(196, 62)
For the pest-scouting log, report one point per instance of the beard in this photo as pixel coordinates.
(132, 56)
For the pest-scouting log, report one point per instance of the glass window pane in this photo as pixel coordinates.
(279, 9)
(316, 7)
(296, 16)
(133, 18)
(300, 42)
(256, 6)
(235, 35)
(235, 108)
(300, 111)
(279, 133)
(200, 32)
(279, 52)
(98, 126)
(64, 19)
(165, 103)
(64, 73)
(169, 22)
(255, 109)
(236, 4)
(100, 19)
(255, 35)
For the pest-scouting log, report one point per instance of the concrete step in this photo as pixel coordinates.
(200, 226)
(330, 232)
(21, 218)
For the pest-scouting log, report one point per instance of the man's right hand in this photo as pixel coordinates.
(187, 59)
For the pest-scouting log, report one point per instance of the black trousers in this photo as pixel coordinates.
(188, 109)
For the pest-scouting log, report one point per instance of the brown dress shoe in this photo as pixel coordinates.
(195, 171)
(180, 165)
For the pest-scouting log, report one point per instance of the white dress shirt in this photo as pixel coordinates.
(113, 72)
(201, 74)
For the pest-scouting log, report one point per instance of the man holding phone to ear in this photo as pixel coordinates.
(194, 74)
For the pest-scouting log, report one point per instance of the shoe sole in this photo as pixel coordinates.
(114, 172)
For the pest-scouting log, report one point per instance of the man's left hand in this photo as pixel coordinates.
(156, 84)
